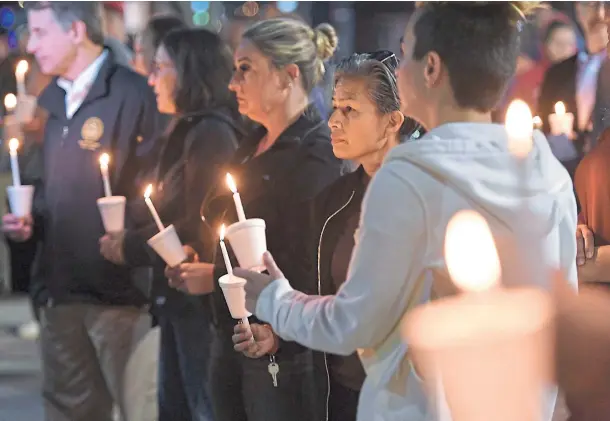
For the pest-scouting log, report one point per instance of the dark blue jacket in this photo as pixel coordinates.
(118, 116)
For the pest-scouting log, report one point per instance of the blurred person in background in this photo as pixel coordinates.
(558, 44)
(114, 31)
(190, 76)
(574, 82)
(286, 161)
(147, 41)
(91, 314)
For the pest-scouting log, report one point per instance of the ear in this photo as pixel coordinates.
(293, 72)
(394, 123)
(433, 69)
(78, 32)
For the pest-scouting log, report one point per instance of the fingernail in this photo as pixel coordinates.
(589, 255)
(580, 262)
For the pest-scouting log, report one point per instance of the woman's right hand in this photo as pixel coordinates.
(255, 342)
(173, 273)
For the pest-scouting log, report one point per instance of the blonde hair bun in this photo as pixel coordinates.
(326, 40)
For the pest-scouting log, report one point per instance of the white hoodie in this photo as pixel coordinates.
(408, 205)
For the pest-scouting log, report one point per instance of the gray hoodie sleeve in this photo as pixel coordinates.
(383, 276)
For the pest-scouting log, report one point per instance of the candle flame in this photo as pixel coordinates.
(470, 252)
(537, 122)
(22, 67)
(560, 108)
(148, 191)
(519, 125)
(104, 160)
(13, 145)
(222, 232)
(10, 101)
(231, 183)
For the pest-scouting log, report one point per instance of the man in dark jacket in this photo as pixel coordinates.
(92, 314)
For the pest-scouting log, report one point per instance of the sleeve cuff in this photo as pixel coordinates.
(269, 298)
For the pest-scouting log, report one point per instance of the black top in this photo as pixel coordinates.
(119, 116)
(191, 154)
(337, 216)
(277, 186)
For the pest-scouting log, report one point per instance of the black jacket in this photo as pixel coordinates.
(331, 211)
(119, 115)
(190, 157)
(277, 186)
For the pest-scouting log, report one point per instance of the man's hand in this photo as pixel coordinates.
(196, 278)
(173, 273)
(111, 248)
(585, 245)
(17, 229)
(257, 282)
(265, 341)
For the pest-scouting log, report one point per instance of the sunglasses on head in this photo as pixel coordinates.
(386, 57)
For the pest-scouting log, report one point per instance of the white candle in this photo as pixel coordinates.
(560, 121)
(10, 102)
(104, 160)
(225, 254)
(13, 145)
(488, 350)
(519, 126)
(537, 123)
(151, 207)
(22, 68)
(238, 205)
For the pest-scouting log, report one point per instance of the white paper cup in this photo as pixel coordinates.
(26, 108)
(249, 243)
(112, 210)
(20, 199)
(167, 245)
(235, 295)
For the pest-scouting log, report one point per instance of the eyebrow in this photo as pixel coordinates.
(349, 97)
(245, 58)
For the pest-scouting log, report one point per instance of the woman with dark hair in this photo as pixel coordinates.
(365, 124)
(192, 69)
(147, 42)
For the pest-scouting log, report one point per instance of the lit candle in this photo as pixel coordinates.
(151, 207)
(238, 205)
(225, 254)
(487, 350)
(10, 102)
(104, 160)
(537, 122)
(560, 121)
(22, 69)
(519, 125)
(13, 145)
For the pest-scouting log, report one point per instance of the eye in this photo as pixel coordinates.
(244, 68)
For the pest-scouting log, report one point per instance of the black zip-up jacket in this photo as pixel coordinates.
(119, 116)
(277, 186)
(192, 153)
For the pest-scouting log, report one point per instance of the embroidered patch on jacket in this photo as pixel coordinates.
(92, 132)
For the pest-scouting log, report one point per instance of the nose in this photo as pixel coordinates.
(31, 45)
(233, 85)
(333, 120)
(151, 79)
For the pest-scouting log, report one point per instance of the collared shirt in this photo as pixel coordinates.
(77, 90)
(586, 84)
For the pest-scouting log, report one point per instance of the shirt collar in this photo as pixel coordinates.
(87, 76)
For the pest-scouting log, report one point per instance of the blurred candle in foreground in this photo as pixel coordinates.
(151, 207)
(236, 198)
(13, 145)
(487, 351)
(104, 161)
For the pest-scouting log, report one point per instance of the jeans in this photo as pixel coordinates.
(183, 389)
(242, 388)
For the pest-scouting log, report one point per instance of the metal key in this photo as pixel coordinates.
(273, 368)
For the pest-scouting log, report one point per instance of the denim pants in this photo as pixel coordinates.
(183, 389)
(242, 388)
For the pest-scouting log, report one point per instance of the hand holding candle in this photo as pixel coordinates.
(236, 198)
(104, 160)
(13, 145)
(561, 122)
(151, 207)
(22, 69)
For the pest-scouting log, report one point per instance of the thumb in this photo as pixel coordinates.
(274, 271)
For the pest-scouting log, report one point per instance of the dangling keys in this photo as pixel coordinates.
(273, 369)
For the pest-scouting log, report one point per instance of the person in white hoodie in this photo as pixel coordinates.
(458, 58)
